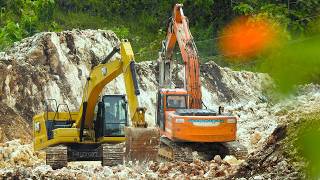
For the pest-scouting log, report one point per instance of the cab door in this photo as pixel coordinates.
(160, 111)
(114, 115)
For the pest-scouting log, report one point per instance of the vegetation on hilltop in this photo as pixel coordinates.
(144, 22)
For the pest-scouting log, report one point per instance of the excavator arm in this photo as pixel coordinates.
(178, 31)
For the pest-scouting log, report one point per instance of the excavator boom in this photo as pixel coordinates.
(178, 31)
(104, 73)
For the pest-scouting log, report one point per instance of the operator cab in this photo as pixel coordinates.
(176, 101)
(170, 100)
(112, 116)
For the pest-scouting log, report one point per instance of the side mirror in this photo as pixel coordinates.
(125, 100)
(221, 110)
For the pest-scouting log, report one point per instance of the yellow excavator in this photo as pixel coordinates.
(97, 131)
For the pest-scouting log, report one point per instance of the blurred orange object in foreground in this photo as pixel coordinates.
(246, 37)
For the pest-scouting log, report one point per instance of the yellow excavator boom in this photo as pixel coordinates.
(105, 73)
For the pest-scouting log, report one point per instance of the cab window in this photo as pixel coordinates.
(115, 114)
(177, 102)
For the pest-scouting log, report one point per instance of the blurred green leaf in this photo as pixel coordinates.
(295, 64)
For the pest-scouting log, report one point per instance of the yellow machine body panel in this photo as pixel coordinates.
(40, 130)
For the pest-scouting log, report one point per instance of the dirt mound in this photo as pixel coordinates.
(276, 158)
(12, 125)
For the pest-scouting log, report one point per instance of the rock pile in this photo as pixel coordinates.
(14, 154)
(216, 168)
(268, 162)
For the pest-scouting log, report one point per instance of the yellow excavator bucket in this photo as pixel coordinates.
(142, 144)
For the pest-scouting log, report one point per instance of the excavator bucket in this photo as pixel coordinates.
(142, 144)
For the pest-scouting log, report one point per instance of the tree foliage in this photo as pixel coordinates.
(144, 21)
(21, 19)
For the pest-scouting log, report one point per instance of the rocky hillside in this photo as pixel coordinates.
(47, 65)
(55, 65)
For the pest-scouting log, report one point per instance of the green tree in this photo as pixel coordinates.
(10, 33)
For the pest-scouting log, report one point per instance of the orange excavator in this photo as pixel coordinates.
(184, 126)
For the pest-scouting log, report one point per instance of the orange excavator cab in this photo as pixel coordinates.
(180, 117)
(169, 100)
(179, 123)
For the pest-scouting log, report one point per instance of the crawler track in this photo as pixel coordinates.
(57, 156)
(173, 151)
(112, 154)
(177, 151)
